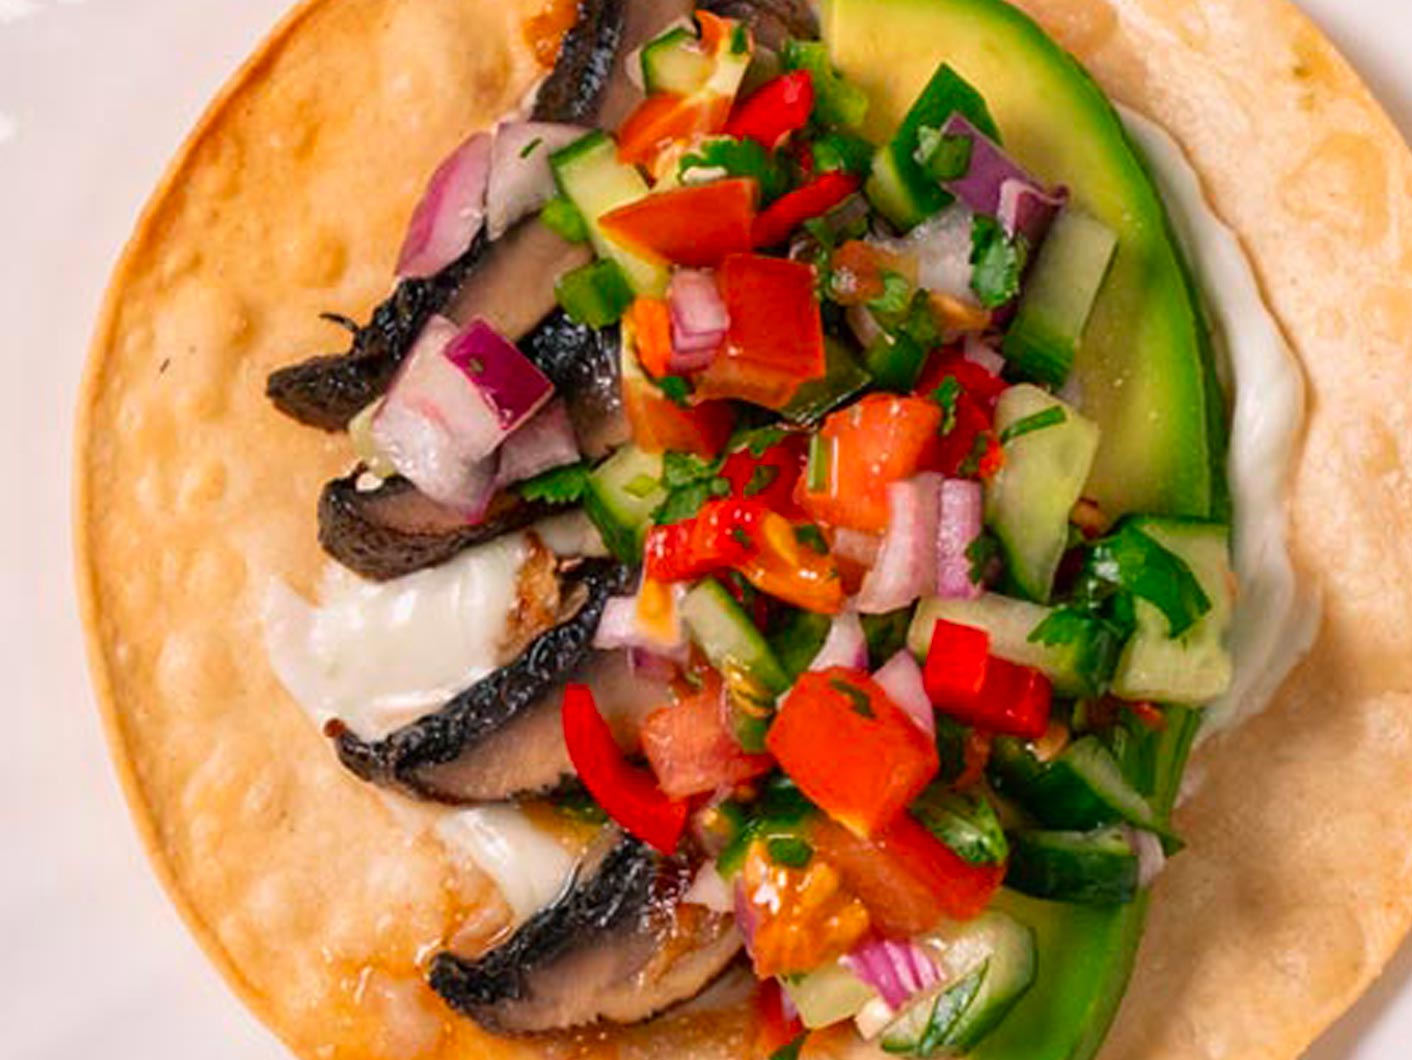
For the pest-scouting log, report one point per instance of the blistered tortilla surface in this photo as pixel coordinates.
(290, 200)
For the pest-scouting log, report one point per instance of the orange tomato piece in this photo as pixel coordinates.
(666, 119)
(696, 226)
(802, 917)
(651, 322)
(791, 571)
(659, 424)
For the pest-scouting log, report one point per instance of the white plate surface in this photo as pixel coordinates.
(94, 98)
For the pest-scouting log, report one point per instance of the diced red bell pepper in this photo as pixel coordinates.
(694, 226)
(1014, 700)
(690, 749)
(907, 878)
(877, 441)
(984, 386)
(956, 664)
(776, 338)
(853, 751)
(772, 476)
(659, 424)
(722, 536)
(775, 110)
(779, 220)
(968, 445)
(666, 119)
(628, 794)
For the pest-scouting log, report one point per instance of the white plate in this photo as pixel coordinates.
(94, 99)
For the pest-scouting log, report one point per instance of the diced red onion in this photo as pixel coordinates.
(901, 678)
(864, 325)
(942, 247)
(898, 971)
(451, 212)
(545, 442)
(699, 319)
(1029, 210)
(906, 566)
(857, 546)
(435, 429)
(652, 665)
(621, 627)
(509, 383)
(980, 352)
(958, 526)
(618, 626)
(709, 889)
(520, 178)
(846, 644)
(1151, 858)
(997, 186)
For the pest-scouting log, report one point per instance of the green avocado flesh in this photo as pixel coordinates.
(1145, 375)
(1144, 368)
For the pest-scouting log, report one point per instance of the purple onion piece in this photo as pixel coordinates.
(506, 379)
(901, 678)
(543, 443)
(845, 645)
(961, 505)
(906, 566)
(700, 320)
(521, 181)
(451, 211)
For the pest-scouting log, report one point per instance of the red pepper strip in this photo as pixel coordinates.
(629, 795)
(775, 110)
(770, 478)
(957, 662)
(775, 224)
(723, 535)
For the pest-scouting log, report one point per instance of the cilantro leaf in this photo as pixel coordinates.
(1050, 417)
(561, 485)
(676, 389)
(790, 851)
(944, 157)
(896, 298)
(945, 396)
(690, 482)
(725, 156)
(758, 440)
(857, 697)
(982, 553)
(1131, 561)
(810, 536)
(998, 261)
(1099, 637)
(761, 479)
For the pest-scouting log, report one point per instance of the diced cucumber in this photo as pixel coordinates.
(1087, 868)
(1029, 501)
(674, 62)
(1194, 668)
(904, 192)
(990, 963)
(827, 995)
(1083, 789)
(622, 494)
(837, 101)
(843, 378)
(1010, 623)
(591, 177)
(1059, 297)
(732, 644)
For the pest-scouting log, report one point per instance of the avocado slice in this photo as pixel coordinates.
(1146, 375)
(1144, 369)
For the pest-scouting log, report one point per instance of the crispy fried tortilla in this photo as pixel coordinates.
(291, 198)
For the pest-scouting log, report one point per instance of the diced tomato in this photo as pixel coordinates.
(853, 751)
(774, 110)
(666, 119)
(956, 664)
(907, 878)
(691, 750)
(694, 226)
(651, 324)
(659, 424)
(786, 568)
(975, 380)
(779, 220)
(796, 919)
(772, 476)
(776, 1029)
(776, 338)
(629, 795)
(877, 441)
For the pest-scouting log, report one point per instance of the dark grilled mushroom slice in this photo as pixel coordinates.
(772, 21)
(409, 759)
(585, 366)
(396, 530)
(620, 946)
(646, 19)
(328, 391)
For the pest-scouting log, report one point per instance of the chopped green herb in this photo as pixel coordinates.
(741, 537)
(1050, 417)
(965, 822)
(1101, 634)
(810, 536)
(998, 261)
(982, 552)
(563, 217)
(757, 440)
(790, 1051)
(1134, 562)
(819, 473)
(790, 851)
(944, 157)
(842, 152)
(740, 39)
(761, 479)
(561, 485)
(859, 698)
(690, 482)
(727, 156)
(945, 396)
(676, 389)
(886, 635)
(684, 469)
(530, 147)
(971, 466)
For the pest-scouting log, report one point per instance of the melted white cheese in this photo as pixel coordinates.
(379, 656)
(530, 866)
(1276, 619)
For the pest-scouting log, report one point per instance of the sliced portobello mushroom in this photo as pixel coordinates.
(328, 391)
(585, 366)
(620, 946)
(772, 21)
(412, 759)
(646, 19)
